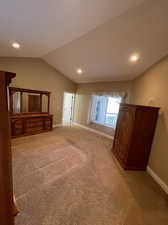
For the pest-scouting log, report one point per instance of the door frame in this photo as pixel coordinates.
(72, 107)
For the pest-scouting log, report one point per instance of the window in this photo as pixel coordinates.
(105, 110)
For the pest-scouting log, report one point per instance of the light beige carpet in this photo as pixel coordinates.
(69, 177)
(107, 130)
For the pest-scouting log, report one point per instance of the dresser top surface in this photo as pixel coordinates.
(30, 115)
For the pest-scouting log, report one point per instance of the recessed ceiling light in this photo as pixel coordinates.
(79, 71)
(16, 45)
(134, 58)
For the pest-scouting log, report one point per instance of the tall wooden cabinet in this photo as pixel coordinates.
(6, 187)
(134, 134)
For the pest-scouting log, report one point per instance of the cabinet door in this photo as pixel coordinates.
(48, 123)
(142, 137)
(17, 127)
(124, 131)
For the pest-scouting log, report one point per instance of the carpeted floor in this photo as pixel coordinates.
(107, 130)
(69, 177)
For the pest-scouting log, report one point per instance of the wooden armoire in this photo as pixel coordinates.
(6, 186)
(134, 135)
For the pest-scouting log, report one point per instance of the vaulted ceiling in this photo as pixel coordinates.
(94, 35)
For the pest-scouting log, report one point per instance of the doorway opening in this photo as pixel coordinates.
(68, 108)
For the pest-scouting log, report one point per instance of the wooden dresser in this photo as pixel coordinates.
(28, 124)
(134, 135)
(29, 111)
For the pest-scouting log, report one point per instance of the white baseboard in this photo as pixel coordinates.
(94, 131)
(158, 179)
(57, 125)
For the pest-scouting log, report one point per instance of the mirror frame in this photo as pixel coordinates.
(13, 90)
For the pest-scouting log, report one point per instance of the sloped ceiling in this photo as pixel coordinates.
(94, 35)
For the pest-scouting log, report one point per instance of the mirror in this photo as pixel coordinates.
(44, 103)
(16, 102)
(28, 101)
(31, 103)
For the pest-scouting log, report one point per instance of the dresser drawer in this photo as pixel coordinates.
(34, 129)
(34, 122)
(28, 125)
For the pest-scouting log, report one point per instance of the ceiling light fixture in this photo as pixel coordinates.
(79, 71)
(16, 45)
(134, 58)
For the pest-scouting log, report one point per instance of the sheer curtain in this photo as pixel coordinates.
(114, 94)
(102, 104)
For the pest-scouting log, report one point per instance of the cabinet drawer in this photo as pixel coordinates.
(34, 124)
(17, 131)
(17, 123)
(34, 129)
(34, 121)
